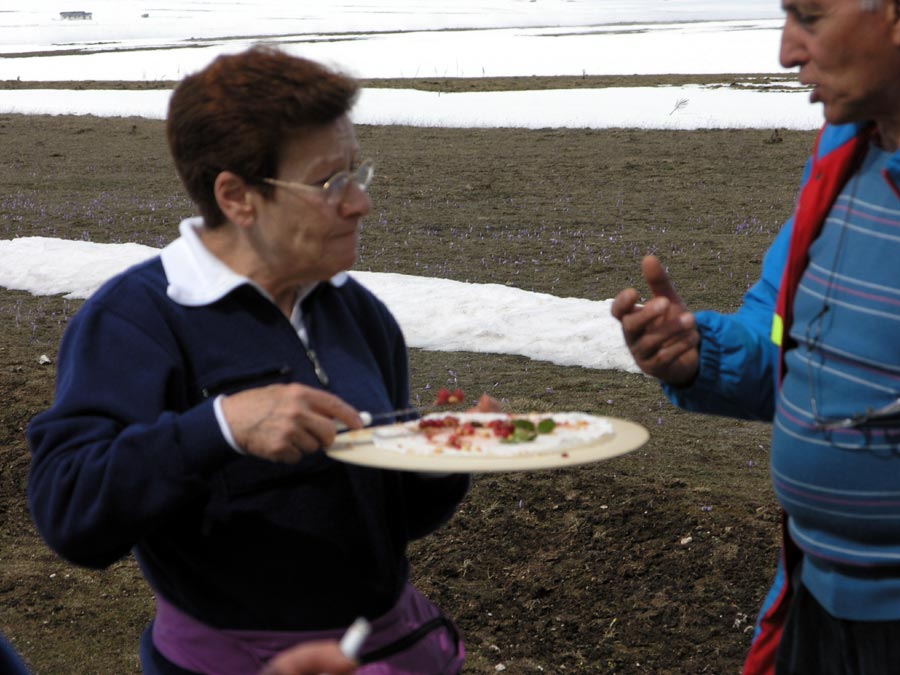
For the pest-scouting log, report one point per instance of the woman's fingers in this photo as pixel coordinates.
(281, 421)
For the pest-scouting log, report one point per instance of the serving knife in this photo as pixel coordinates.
(370, 418)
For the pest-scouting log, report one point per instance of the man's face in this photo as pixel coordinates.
(848, 53)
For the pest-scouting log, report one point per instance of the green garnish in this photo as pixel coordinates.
(546, 426)
(525, 430)
(528, 425)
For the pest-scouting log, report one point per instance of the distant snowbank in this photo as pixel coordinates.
(488, 318)
(687, 107)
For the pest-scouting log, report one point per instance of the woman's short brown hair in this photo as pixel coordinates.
(236, 114)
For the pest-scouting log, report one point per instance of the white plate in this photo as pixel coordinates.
(356, 447)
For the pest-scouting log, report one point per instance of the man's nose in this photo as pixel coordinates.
(793, 50)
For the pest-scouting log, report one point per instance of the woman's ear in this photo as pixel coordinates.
(235, 198)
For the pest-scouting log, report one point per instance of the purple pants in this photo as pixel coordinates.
(413, 638)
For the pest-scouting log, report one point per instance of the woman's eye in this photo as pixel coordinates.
(334, 175)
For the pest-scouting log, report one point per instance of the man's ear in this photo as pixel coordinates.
(235, 198)
(893, 8)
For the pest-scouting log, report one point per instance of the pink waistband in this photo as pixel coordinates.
(195, 646)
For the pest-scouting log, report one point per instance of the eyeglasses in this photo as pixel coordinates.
(335, 187)
(886, 415)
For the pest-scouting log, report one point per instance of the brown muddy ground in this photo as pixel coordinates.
(655, 562)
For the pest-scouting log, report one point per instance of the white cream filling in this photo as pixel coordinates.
(573, 429)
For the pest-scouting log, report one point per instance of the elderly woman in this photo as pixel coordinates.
(195, 392)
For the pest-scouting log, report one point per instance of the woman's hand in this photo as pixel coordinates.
(281, 422)
(662, 334)
(311, 658)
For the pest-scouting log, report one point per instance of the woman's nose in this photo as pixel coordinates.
(356, 202)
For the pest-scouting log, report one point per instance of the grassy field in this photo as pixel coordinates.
(651, 563)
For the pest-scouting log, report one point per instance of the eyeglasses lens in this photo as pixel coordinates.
(337, 185)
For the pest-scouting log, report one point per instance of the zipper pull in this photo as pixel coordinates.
(321, 375)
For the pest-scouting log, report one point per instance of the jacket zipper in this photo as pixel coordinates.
(321, 375)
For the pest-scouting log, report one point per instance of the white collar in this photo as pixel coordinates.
(197, 277)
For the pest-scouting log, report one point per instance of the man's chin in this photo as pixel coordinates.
(836, 115)
(833, 113)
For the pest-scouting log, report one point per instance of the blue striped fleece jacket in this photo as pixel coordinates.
(835, 264)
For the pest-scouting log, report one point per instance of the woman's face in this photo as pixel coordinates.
(300, 235)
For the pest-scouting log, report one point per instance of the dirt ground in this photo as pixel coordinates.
(655, 562)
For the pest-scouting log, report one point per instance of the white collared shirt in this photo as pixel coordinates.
(196, 278)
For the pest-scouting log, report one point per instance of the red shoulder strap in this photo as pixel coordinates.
(827, 177)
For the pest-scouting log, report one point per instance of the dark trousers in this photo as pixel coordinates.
(816, 643)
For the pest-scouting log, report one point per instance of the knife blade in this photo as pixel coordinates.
(369, 418)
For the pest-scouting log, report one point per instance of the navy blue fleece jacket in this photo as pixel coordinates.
(130, 456)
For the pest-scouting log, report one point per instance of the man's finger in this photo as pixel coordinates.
(624, 303)
(657, 279)
(636, 324)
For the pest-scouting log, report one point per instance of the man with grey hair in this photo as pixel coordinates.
(814, 348)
